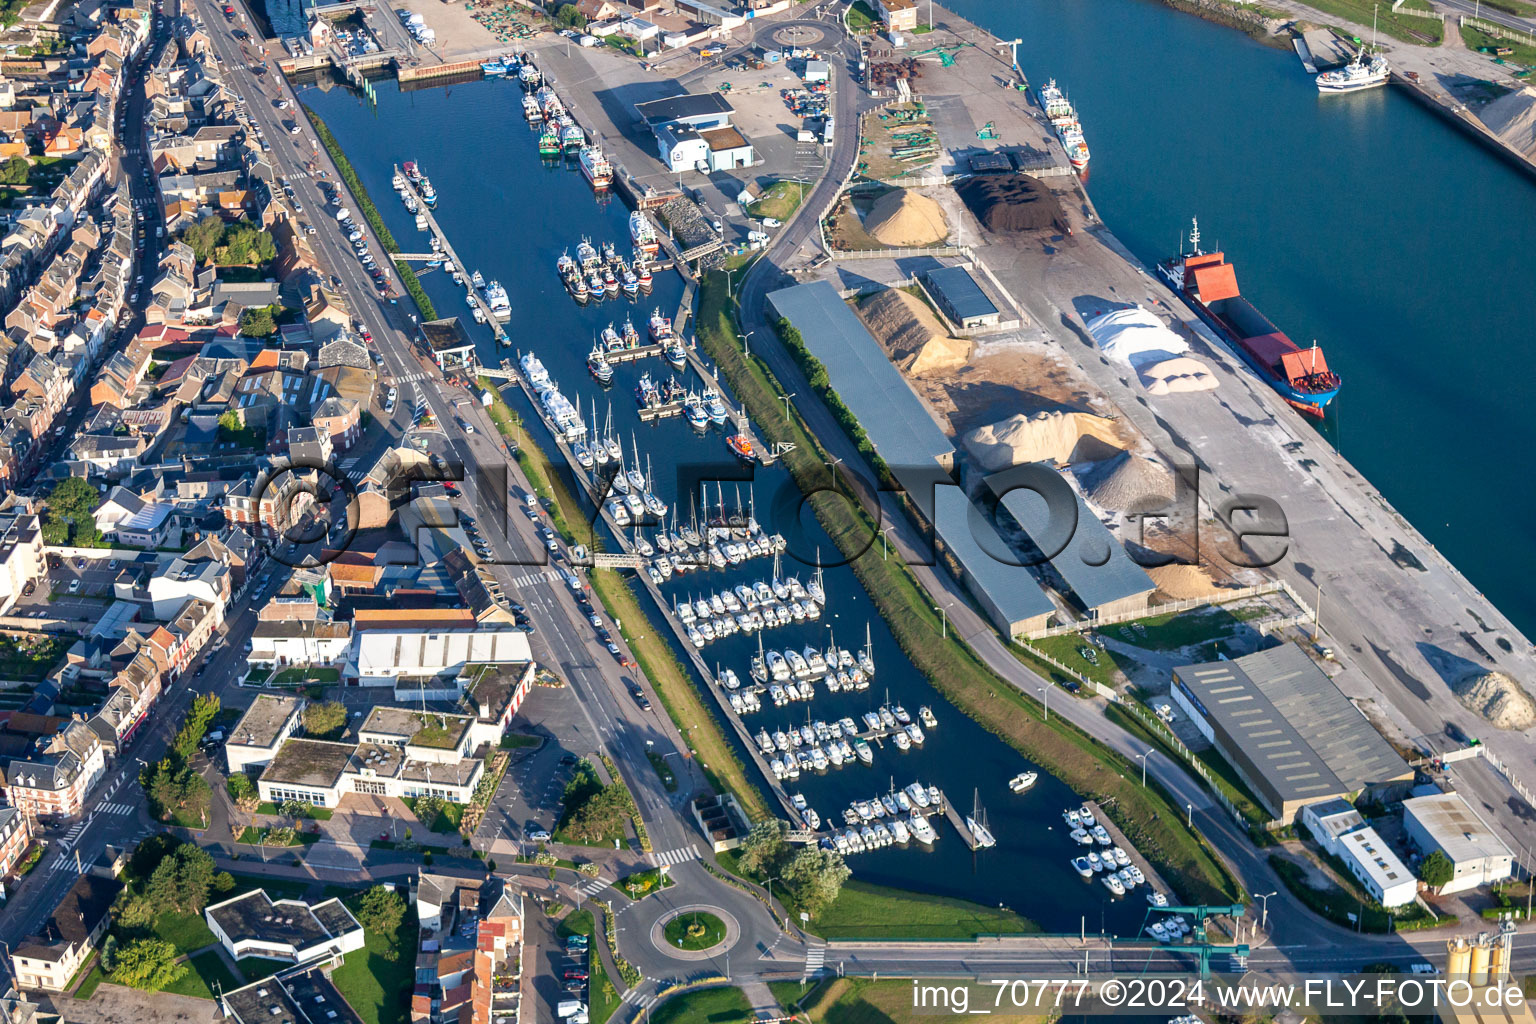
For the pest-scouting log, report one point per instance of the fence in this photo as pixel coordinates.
(1504, 770)
(1184, 604)
(1493, 29)
(1398, 8)
(961, 251)
(1099, 688)
(870, 287)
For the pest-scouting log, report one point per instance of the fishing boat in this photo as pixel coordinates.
(718, 413)
(1022, 781)
(571, 136)
(741, 447)
(586, 254)
(630, 283)
(595, 166)
(697, 417)
(428, 193)
(601, 370)
(923, 831)
(1367, 70)
(631, 334)
(659, 326)
(496, 298)
(412, 171)
(673, 352)
(534, 372)
(493, 68)
(643, 234)
(549, 142)
(531, 109)
(528, 76)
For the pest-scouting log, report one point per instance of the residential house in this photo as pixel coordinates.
(53, 783)
(48, 960)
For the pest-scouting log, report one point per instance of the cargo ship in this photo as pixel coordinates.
(1063, 119)
(1208, 284)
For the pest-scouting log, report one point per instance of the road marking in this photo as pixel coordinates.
(815, 958)
(679, 856)
(594, 887)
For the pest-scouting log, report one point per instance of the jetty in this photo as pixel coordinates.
(958, 820)
(425, 213)
(1154, 880)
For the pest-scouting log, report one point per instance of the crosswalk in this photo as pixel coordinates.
(348, 465)
(678, 856)
(592, 888)
(533, 579)
(410, 378)
(815, 959)
(115, 808)
(638, 998)
(72, 835)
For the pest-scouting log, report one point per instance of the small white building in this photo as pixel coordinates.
(1329, 821)
(1376, 867)
(639, 29)
(381, 657)
(816, 71)
(255, 739)
(253, 924)
(278, 642)
(1446, 822)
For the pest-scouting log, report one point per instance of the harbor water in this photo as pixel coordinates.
(510, 215)
(1362, 221)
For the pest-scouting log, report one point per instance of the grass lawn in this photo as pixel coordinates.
(253, 836)
(869, 911)
(184, 931)
(201, 974)
(291, 676)
(861, 18)
(780, 200)
(1075, 652)
(1398, 25)
(694, 930)
(92, 981)
(863, 1001)
(512, 741)
(663, 770)
(710, 1006)
(257, 967)
(379, 988)
(1522, 53)
(314, 814)
(642, 883)
(447, 819)
(277, 888)
(577, 922)
(602, 994)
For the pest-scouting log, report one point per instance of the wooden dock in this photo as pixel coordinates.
(958, 820)
(1154, 880)
(442, 237)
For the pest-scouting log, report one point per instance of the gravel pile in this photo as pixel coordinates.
(1130, 483)
(1498, 699)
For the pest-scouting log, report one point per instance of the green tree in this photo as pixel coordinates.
(148, 964)
(204, 709)
(15, 171)
(325, 719)
(109, 953)
(569, 17)
(429, 809)
(257, 322)
(243, 791)
(204, 236)
(69, 514)
(183, 880)
(223, 882)
(1436, 870)
(134, 911)
(815, 876)
(381, 910)
(762, 847)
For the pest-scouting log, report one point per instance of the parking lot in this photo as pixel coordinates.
(532, 788)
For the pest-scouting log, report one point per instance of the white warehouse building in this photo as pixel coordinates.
(1445, 822)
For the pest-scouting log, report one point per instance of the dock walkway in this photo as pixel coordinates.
(1154, 880)
(442, 237)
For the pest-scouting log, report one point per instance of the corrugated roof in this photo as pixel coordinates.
(897, 421)
(1093, 564)
(1453, 824)
(1297, 731)
(959, 289)
(968, 535)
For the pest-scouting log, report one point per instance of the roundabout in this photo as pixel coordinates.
(695, 932)
(803, 35)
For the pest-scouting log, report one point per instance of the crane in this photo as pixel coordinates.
(1013, 49)
(1201, 947)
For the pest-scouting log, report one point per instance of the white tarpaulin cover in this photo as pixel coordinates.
(1133, 336)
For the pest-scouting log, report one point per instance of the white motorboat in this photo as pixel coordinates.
(1121, 857)
(1082, 866)
(1072, 818)
(1112, 883)
(1094, 861)
(1157, 899)
(926, 714)
(1081, 837)
(922, 830)
(1022, 781)
(1101, 836)
(918, 794)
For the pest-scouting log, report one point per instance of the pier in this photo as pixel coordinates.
(958, 820)
(693, 654)
(1154, 880)
(437, 232)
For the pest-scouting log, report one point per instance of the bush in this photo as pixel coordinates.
(381, 909)
(147, 964)
(258, 322)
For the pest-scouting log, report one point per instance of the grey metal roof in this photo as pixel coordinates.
(677, 108)
(1294, 726)
(1093, 564)
(970, 537)
(897, 421)
(960, 291)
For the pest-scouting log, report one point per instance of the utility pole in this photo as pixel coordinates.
(1317, 611)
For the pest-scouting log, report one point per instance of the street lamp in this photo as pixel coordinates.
(943, 622)
(1143, 759)
(1045, 700)
(785, 399)
(1264, 921)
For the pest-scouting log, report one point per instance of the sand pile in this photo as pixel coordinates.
(1181, 582)
(1179, 374)
(1059, 437)
(1011, 202)
(905, 217)
(910, 332)
(1513, 119)
(1130, 483)
(1499, 699)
